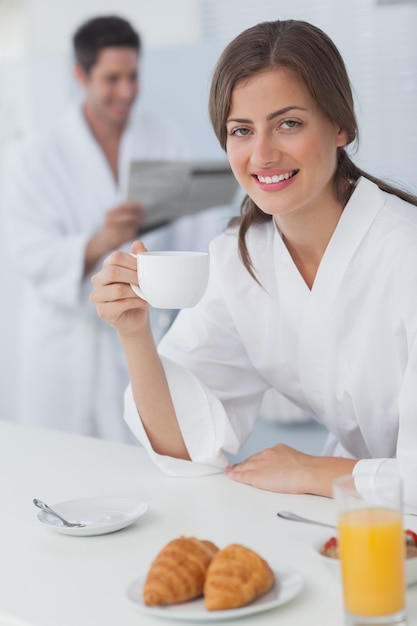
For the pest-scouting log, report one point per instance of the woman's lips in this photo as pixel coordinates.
(275, 181)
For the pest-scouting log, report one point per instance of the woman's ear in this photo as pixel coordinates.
(342, 138)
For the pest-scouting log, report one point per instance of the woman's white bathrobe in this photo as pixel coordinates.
(72, 373)
(344, 352)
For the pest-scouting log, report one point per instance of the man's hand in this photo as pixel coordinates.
(121, 224)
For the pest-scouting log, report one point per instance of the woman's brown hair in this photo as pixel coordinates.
(313, 57)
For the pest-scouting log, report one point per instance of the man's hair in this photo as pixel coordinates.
(103, 32)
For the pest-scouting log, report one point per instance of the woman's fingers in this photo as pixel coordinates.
(110, 291)
(280, 468)
(118, 267)
(138, 246)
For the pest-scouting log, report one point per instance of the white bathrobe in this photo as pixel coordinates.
(72, 373)
(344, 352)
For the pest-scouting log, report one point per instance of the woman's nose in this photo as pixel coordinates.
(265, 150)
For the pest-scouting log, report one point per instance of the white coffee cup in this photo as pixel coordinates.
(171, 279)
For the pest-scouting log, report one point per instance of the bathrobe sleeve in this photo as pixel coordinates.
(405, 462)
(43, 236)
(215, 389)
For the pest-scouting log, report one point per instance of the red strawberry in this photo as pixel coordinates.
(330, 543)
(410, 536)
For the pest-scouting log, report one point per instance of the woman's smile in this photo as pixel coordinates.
(275, 180)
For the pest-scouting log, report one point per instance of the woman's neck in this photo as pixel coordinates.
(307, 239)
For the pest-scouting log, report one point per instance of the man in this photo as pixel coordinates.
(65, 211)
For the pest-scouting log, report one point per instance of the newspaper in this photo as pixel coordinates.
(170, 189)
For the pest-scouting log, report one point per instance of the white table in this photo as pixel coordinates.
(50, 579)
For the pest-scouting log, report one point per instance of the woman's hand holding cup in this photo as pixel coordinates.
(162, 279)
(112, 293)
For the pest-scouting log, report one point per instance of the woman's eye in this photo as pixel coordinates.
(240, 132)
(290, 124)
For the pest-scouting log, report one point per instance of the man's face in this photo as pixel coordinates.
(111, 85)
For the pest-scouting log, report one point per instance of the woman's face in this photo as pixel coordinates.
(281, 147)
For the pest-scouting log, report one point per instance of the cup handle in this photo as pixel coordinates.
(137, 291)
(136, 288)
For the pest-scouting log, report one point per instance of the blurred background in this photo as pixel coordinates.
(182, 41)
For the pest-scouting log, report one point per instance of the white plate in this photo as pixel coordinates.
(100, 515)
(289, 584)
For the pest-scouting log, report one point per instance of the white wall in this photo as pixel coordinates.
(183, 39)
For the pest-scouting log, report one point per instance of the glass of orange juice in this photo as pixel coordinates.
(372, 548)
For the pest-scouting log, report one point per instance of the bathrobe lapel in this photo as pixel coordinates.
(357, 218)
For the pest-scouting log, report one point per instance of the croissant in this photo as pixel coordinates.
(235, 577)
(178, 572)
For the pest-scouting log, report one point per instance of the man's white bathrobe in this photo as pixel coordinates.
(72, 373)
(345, 351)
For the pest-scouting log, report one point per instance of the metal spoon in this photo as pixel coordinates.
(298, 518)
(45, 507)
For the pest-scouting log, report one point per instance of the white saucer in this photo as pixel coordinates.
(100, 515)
(288, 585)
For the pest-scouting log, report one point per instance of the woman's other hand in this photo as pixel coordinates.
(285, 470)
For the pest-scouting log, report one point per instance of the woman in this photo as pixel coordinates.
(313, 293)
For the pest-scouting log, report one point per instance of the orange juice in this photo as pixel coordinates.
(372, 555)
